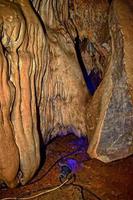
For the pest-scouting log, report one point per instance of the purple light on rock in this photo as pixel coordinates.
(73, 164)
(81, 142)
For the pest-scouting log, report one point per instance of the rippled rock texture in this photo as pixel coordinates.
(46, 49)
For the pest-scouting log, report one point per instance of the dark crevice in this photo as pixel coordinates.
(42, 145)
(110, 1)
(92, 79)
(39, 17)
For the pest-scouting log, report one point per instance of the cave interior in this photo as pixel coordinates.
(66, 99)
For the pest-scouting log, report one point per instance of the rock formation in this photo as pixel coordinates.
(49, 50)
(62, 103)
(22, 70)
(111, 109)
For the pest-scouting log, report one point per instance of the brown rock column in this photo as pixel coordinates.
(23, 41)
(9, 155)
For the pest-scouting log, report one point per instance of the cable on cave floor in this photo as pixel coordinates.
(57, 161)
(40, 193)
(45, 191)
(69, 177)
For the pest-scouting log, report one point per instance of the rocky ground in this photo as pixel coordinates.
(94, 180)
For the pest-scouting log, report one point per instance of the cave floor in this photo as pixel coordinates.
(94, 180)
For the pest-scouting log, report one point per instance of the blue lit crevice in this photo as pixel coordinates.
(92, 79)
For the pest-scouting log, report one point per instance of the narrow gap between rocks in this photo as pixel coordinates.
(92, 78)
